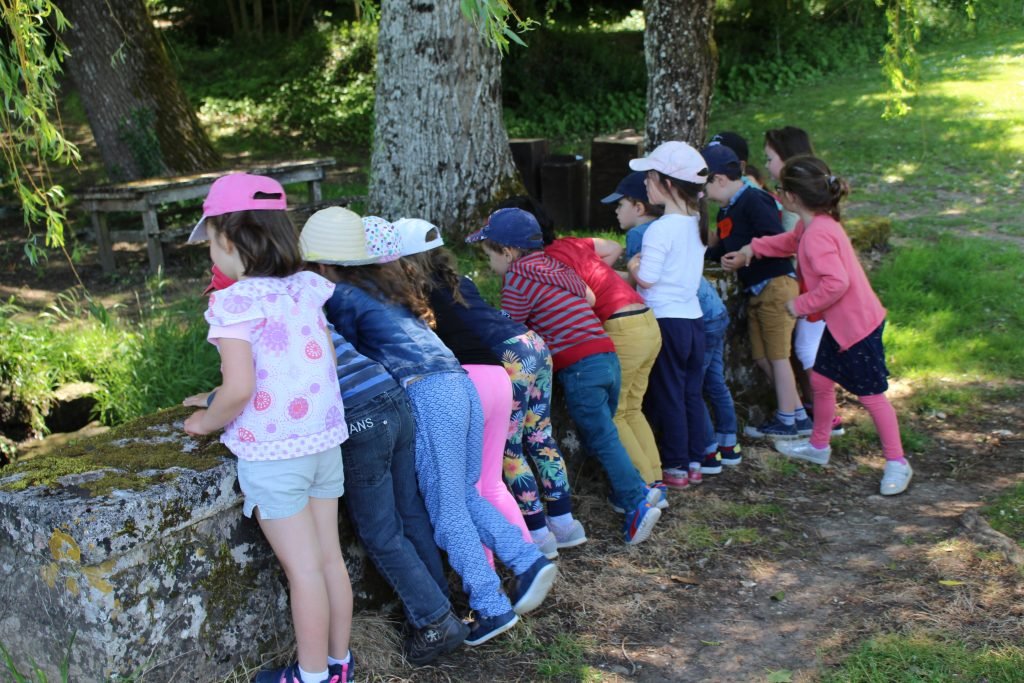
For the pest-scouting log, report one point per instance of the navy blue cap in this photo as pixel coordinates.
(735, 142)
(721, 160)
(510, 228)
(630, 186)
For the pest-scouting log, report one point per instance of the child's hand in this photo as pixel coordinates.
(197, 401)
(634, 264)
(791, 308)
(194, 424)
(735, 260)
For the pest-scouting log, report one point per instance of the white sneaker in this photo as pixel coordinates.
(896, 478)
(801, 449)
(570, 536)
(548, 546)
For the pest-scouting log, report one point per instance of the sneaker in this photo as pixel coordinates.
(675, 478)
(342, 673)
(695, 475)
(712, 464)
(483, 629)
(896, 477)
(805, 426)
(837, 426)
(569, 536)
(731, 455)
(532, 586)
(657, 496)
(640, 523)
(548, 546)
(803, 450)
(289, 674)
(773, 428)
(426, 644)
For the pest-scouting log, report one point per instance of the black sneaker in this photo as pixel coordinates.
(426, 644)
(712, 463)
(484, 628)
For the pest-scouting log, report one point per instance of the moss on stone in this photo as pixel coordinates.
(869, 232)
(152, 444)
(227, 586)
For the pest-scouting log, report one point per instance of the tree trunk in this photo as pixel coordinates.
(681, 62)
(440, 149)
(143, 123)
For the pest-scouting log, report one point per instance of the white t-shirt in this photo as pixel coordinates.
(673, 260)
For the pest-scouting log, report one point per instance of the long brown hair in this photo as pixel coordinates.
(789, 142)
(387, 282)
(810, 179)
(430, 269)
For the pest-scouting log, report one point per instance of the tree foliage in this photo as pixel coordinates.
(900, 64)
(31, 55)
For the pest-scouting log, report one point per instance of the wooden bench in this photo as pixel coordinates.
(145, 197)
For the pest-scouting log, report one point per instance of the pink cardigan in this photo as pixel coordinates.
(837, 286)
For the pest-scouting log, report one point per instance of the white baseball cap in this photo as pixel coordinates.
(675, 159)
(413, 233)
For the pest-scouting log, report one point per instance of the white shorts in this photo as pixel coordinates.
(281, 488)
(807, 340)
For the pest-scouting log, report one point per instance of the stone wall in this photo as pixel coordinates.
(132, 549)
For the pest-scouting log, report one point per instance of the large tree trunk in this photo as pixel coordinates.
(143, 123)
(440, 150)
(681, 57)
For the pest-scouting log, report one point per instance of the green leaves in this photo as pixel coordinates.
(30, 64)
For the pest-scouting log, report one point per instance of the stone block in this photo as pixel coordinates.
(131, 547)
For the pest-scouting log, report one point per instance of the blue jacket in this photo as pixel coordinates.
(389, 334)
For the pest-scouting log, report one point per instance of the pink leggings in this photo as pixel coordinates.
(495, 390)
(877, 405)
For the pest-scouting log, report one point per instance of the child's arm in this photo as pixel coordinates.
(608, 251)
(514, 303)
(235, 391)
(822, 259)
(782, 245)
(591, 297)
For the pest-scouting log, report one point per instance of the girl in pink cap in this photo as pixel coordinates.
(281, 411)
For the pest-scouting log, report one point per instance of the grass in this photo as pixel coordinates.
(927, 659)
(1006, 513)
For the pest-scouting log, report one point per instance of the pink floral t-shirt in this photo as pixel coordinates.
(296, 408)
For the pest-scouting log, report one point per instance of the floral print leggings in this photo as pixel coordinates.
(528, 362)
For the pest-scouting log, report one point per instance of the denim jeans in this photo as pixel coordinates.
(723, 431)
(386, 508)
(592, 396)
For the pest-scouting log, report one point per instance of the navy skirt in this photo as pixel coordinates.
(859, 369)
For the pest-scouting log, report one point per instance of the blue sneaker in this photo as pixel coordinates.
(640, 523)
(289, 674)
(773, 429)
(712, 464)
(483, 629)
(532, 586)
(657, 496)
(805, 426)
(342, 673)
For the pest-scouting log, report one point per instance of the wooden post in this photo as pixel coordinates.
(528, 154)
(151, 228)
(609, 163)
(103, 244)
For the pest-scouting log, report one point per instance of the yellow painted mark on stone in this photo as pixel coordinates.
(71, 585)
(63, 547)
(49, 573)
(97, 577)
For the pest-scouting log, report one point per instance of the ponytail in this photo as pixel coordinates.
(691, 194)
(811, 180)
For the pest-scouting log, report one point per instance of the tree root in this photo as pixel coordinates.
(980, 531)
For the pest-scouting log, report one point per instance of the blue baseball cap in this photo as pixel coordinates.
(630, 186)
(510, 228)
(721, 160)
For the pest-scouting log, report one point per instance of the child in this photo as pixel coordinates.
(549, 298)
(382, 498)
(851, 351)
(635, 214)
(746, 213)
(373, 307)
(281, 411)
(781, 144)
(493, 386)
(527, 363)
(667, 272)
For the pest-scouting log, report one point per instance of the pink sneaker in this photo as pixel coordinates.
(695, 476)
(675, 478)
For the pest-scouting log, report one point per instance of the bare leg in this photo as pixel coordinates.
(785, 385)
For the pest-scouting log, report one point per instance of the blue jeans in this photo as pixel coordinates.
(386, 508)
(723, 432)
(592, 396)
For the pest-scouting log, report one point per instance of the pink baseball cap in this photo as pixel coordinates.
(675, 159)
(239, 192)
